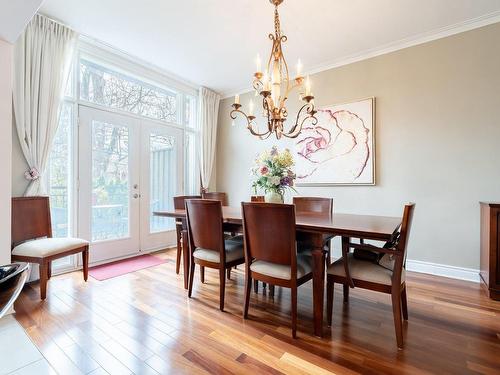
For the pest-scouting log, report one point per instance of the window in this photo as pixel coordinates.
(100, 78)
(106, 87)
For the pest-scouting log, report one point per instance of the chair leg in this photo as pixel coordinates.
(248, 287)
(222, 277)
(179, 253)
(330, 288)
(43, 280)
(271, 290)
(256, 286)
(346, 293)
(294, 312)
(228, 271)
(404, 303)
(49, 270)
(85, 261)
(191, 279)
(398, 322)
(202, 274)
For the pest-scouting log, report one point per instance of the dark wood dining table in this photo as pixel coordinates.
(319, 226)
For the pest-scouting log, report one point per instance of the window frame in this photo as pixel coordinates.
(123, 63)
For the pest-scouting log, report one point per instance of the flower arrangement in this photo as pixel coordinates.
(273, 172)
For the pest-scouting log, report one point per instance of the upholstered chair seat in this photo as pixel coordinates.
(280, 271)
(234, 251)
(48, 246)
(364, 270)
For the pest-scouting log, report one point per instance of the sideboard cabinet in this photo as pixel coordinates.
(490, 248)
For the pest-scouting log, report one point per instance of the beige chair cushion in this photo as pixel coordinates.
(280, 271)
(234, 251)
(48, 246)
(363, 270)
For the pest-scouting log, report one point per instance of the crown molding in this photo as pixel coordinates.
(443, 32)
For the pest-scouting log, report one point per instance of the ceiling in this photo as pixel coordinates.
(14, 16)
(214, 42)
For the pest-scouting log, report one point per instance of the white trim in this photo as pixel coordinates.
(453, 272)
(421, 38)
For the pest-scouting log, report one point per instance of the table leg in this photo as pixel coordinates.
(318, 283)
(185, 257)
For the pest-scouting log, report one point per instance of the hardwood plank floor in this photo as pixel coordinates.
(143, 323)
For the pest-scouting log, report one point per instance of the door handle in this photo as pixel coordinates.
(135, 196)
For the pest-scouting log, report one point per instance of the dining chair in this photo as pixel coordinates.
(32, 240)
(317, 206)
(218, 196)
(207, 245)
(386, 274)
(271, 251)
(179, 204)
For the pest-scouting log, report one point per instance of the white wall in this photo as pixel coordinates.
(5, 148)
(437, 140)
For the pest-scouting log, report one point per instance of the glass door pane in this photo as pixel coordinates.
(163, 179)
(110, 181)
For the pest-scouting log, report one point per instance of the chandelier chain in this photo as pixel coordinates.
(277, 25)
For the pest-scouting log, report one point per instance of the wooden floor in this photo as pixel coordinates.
(143, 323)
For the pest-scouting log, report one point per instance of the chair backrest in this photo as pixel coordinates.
(257, 198)
(180, 199)
(204, 222)
(218, 196)
(313, 204)
(269, 233)
(30, 219)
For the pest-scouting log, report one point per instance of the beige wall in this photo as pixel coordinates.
(5, 147)
(437, 140)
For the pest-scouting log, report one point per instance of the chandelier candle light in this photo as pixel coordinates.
(275, 88)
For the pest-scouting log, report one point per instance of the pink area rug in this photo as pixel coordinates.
(122, 267)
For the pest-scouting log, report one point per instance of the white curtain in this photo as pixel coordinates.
(209, 111)
(42, 62)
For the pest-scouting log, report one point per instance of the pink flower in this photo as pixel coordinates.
(264, 170)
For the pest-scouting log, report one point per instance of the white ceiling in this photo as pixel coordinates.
(214, 42)
(14, 16)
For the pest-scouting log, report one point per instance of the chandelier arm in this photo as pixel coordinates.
(249, 119)
(297, 131)
(297, 128)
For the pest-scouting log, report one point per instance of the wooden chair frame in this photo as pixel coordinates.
(27, 226)
(222, 266)
(293, 283)
(397, 289)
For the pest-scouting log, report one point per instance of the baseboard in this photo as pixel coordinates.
(452, 272)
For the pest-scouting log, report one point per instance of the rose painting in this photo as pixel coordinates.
(340, 149)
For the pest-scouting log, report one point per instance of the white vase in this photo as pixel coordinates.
(273, 197)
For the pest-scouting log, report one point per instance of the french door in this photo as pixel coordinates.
(128, 168)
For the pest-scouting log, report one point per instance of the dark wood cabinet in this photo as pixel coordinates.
(490, 248)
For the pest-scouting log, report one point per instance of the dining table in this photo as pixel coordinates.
(319, 227)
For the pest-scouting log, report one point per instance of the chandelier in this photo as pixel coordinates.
(274, 85)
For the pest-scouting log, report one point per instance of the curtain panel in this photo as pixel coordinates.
(42, 62)
(209, 111)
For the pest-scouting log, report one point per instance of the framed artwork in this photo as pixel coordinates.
(340, 148)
